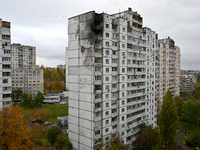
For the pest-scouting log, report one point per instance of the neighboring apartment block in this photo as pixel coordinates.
(25, 75)
(5, 64)
(111, 77)
(169, 68)
(23, 56)
(188, 83)
(28, 80)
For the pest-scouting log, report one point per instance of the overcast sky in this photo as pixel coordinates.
(43, 23)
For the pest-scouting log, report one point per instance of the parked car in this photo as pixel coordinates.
(63, 103)
(51, 103)
(47, 123)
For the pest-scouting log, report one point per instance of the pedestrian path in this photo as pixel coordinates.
(183, 134)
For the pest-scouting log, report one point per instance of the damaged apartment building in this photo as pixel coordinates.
(111, 77)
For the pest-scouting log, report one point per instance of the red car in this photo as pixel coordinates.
(51, 103)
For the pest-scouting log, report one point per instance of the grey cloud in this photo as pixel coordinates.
(44, 23)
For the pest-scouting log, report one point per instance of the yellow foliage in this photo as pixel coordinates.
(42, 114)
(14, 128)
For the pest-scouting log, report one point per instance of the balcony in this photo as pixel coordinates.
(99, 55)
(98, 46)
(97, 118)
(114, 114)
(98, 109)
(114, 73)
(114, 81)
(97, 82)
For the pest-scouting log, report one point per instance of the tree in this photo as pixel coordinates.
(148, 139)
(116, 143)
(36, 133)
(193, 139)
(25, 99)
(191, 113)
(16, 94)
(39, 98)
(15, 130)
(168, 121)
(179, 104)
(52, 133)
(62, 142)
(42, 114)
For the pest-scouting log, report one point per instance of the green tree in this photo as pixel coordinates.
(52, 133)
(62, 142)
(25, 99)
(148, 139)
(16, 94)
(168, 121)
(116, 143)
(191, 113)
(39, 98)
(179, 104)
(193, 139)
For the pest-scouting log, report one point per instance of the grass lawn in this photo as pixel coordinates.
(56, 110)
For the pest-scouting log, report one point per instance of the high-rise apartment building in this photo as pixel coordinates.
(188, 83)
(23, 56)
(111, 77)
(169, 68)
(151, 75)
(5, 64)
(25, 75)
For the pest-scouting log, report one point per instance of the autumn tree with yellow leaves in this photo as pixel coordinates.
(15, 132)
(54, 79)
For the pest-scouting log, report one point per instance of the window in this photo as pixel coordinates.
(107, 121)
(123, 102)
(123, 78)
(96, 78)
(107, 61)
(97, 132)
(123, 45)
(107, 70)
(122, 94)
(107, 78)
(122, 109)
(106, 130)
(114, 127)
(123, 70)
(107, 35)
(107, 44)
(5, 80)
(107, 87)
(123, 53)
(107, 113)
(107, 96)
(123, 126)
(123, 86)
(123, 29)
(107, 52)
(107, 26)
(122, 118)
(123, 37)
(123, 62)
(107, 104)
(114, 110)
(114, 43)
